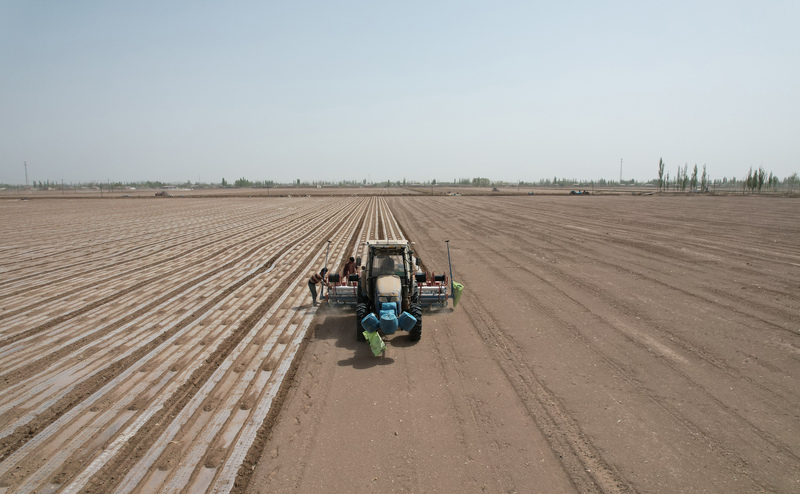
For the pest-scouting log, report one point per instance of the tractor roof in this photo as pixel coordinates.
(392, 244)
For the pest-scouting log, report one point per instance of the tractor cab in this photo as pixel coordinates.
(388, 275)
(388, 264)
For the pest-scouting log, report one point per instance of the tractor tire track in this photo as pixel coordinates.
(579, 457)
(623, 371)
(567, 287)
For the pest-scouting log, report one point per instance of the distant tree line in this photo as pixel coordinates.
(243, 182)
(44, 185)
(756, 181)
(474, 182)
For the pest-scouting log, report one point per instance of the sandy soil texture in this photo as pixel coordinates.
(603, 344)
(143, 344)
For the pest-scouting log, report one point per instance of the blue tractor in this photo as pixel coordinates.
(388, 297)
(390, 291)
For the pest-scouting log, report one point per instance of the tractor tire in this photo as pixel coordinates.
(415, 296)
(359, 295)
(361, 313)
(416, 332)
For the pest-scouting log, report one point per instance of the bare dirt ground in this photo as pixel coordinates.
(143, 344)
(603, 344)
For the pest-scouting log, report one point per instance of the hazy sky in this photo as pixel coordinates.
(390, 90)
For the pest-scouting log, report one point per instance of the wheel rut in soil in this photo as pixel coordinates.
(580, 459)
(620, 343)
(535, 270)
(257, 450)
(568, 284)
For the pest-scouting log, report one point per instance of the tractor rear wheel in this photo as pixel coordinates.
(361, 313)
(359, 293)
(416, 332)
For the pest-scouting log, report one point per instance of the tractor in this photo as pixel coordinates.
(390, 291)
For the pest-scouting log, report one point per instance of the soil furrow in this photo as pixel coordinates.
(109, 298)
(137, 445)
(94, 284)
(13, 442)
(581, 460)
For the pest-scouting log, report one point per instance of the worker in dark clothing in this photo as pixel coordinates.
(316, 279)
(350, 268)
(386, 266)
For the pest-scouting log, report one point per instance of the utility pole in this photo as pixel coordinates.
(620, 172)
(26, 174)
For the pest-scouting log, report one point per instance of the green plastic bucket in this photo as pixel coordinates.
(457, 289)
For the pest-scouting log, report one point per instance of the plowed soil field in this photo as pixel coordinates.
(143, 342)
(603, 344)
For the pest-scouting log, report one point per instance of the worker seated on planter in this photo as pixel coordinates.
(349, 268)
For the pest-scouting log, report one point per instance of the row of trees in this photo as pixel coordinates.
(683, 181)
(474, 182)
(47, 184)
(243, 182)
(756, 181)
(697, 180)
(44, 185)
